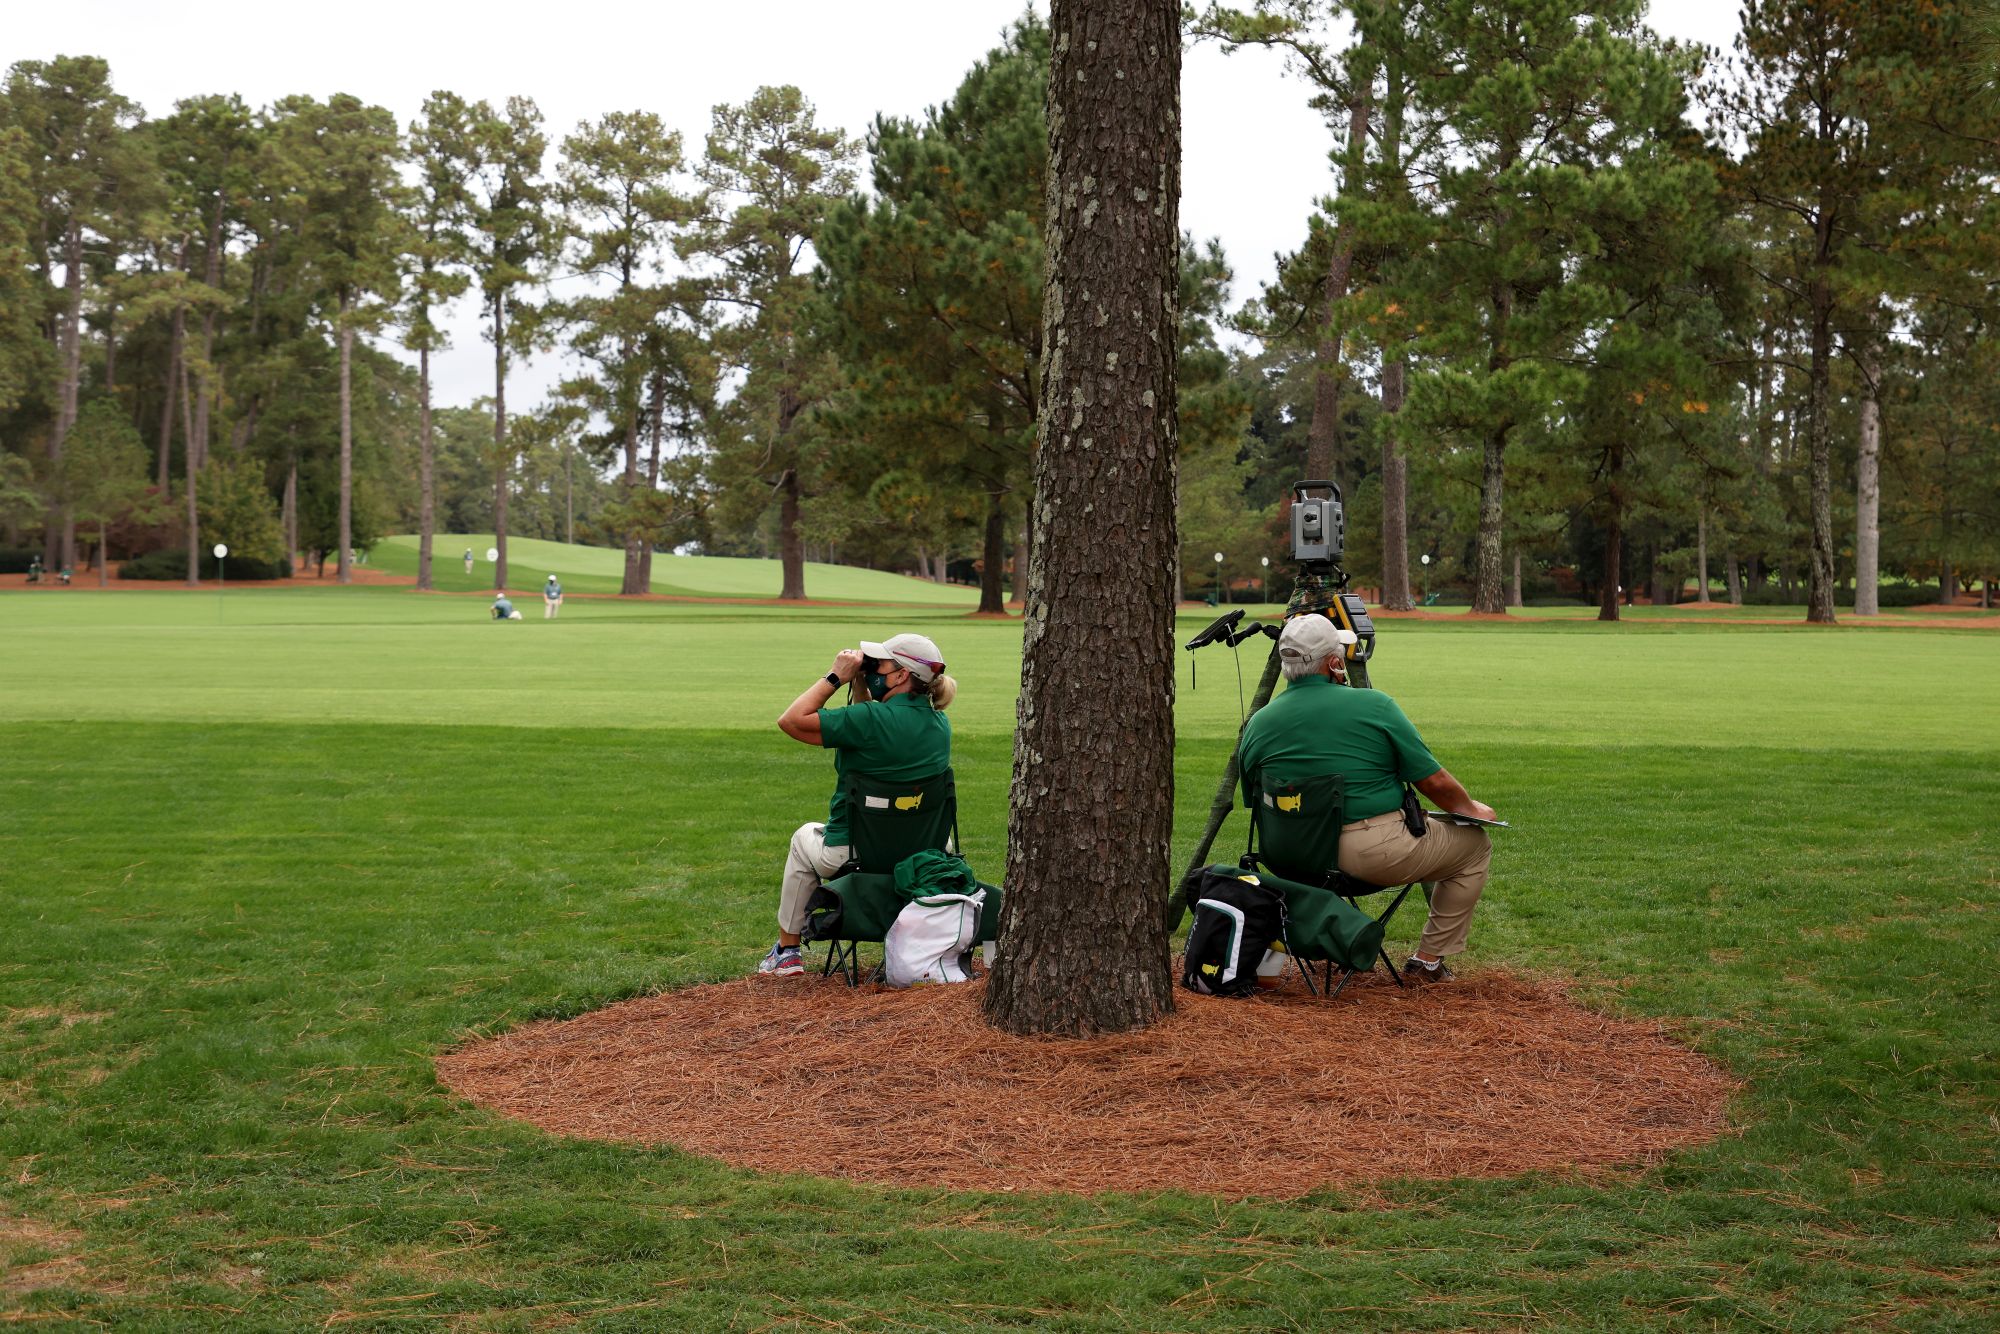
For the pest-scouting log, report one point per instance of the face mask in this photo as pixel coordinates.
(878, 685)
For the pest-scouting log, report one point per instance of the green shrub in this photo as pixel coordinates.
(15, 560)
(164, 566)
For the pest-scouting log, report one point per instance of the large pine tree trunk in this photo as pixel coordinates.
(344, 563)
(1735, 577)
(653, 480)
(1614, 537)
(426, 466)
(500, 487)
(791, 551)
(59, 540)
(993, 555)
(1514, 593)
(1486, 580)
(1819, 445)
(1329, 376)
(633, 582)
(1091, 810)
(166, 458)
(288, 514)
(1868, 489)
(193, 507)
(1701, 552)
(1395, 497)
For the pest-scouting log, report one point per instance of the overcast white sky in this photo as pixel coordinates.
(1254, 156)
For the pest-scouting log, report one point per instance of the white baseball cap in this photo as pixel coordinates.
(915, 652)
(1313, 638)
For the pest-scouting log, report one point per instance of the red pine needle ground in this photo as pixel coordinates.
(1491, 1075)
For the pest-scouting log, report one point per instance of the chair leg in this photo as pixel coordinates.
(1390, 964)
(1305, 973)
(1346, 976)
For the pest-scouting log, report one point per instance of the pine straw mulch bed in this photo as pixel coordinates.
(1492, 1075)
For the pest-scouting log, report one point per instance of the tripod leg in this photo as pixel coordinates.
(1225, 795)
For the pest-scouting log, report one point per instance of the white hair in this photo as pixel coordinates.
(1298, 668)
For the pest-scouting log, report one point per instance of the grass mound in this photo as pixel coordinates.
(599, 570)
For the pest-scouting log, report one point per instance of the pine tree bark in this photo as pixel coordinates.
(1329, 376)
(791, 551)
(288, 517)
(426, 468)
(1492, 485)
(59, 537)
(658, 428)
(632, 583)
(344, 563)
(500, 487)
(166, 459)
(1735, 577)
(1868, 488)
(1091, 809)
(1514, 594)
(1614, 537)
(993, 555)
(1819, 440)
(1701, 553)
(1395, 497)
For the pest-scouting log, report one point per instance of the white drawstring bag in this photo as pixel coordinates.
(929, 938)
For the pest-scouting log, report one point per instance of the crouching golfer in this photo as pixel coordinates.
(1321, 725)
(893, 728)
(503, 609)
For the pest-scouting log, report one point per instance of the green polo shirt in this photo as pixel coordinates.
(901, 739)
(1319, 727)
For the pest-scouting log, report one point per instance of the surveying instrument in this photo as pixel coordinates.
(1319, 588)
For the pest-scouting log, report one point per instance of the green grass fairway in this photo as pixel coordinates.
(263, 854)
(600, 570)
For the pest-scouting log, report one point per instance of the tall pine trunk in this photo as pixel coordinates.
(1329, 376)
(993, 555)
(1735, 578)
(1819, 445)
(1614, 536)
(1492, 481)
(59, 537)
(500, 441)
(1701, 551)
(288, 514)
(1395, 497)
(426, 466)
(1090, 814)
(1514, 593)
(653, 479)
(1868, 489)
(344, 563)
(791, 552)
(633, 582)
(166, 458)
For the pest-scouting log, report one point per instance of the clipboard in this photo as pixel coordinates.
(1467, 821)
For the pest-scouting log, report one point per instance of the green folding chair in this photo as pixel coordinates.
(886, 822)
(1297, 818)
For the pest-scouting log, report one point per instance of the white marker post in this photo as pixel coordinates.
(221, 577)
(1218, 581)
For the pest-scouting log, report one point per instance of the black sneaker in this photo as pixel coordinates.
(1416, 970)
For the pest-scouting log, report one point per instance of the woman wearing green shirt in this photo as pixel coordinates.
(892, 728)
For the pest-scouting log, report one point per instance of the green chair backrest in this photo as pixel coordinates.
(1295, 823)
(888, 821)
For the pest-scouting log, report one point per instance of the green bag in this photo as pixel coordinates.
(922, 874)
(1319, 924)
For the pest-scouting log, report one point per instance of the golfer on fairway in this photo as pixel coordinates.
(892, 728)
(551, 599)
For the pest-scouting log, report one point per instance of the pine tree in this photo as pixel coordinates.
(772, 172)
(1091, 810)
(514, 238)
(435, 260)
(621, 215)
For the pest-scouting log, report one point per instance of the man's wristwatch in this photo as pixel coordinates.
(833, 679)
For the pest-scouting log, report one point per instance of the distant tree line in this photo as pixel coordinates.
(1589, 314)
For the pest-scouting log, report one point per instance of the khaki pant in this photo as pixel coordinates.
(550, 608)
(809, 859)
(1453, 858)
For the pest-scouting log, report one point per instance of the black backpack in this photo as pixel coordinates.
(1236, 919)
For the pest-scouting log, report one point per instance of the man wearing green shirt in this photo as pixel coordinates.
(1321, 725)
(895, 730)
